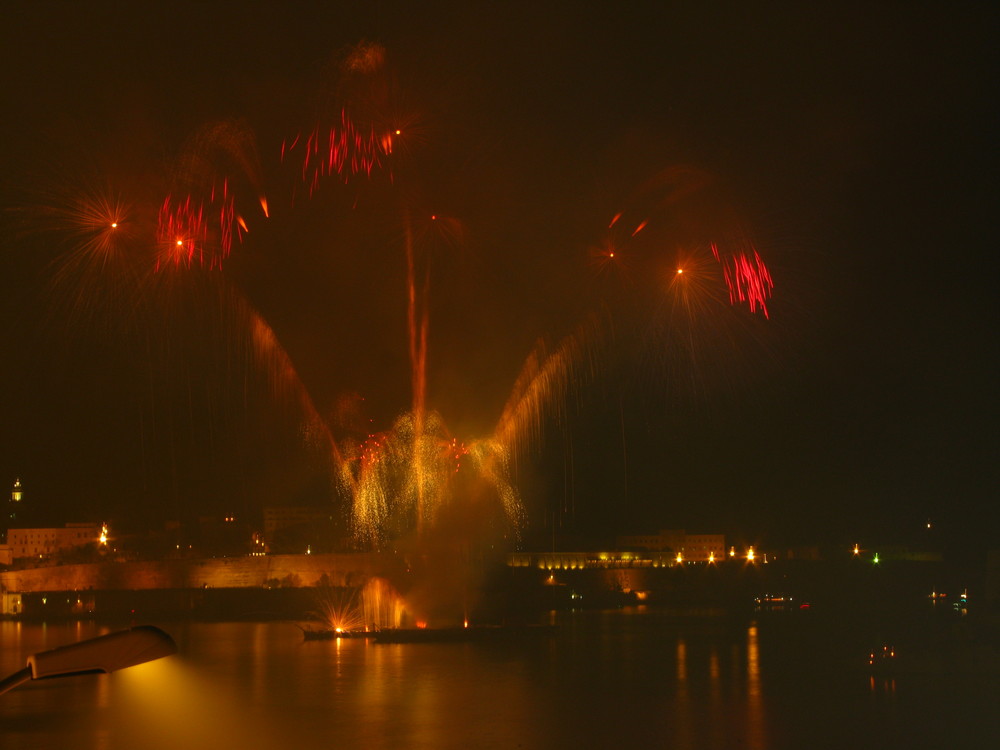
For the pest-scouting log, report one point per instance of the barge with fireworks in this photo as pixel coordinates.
(330, 634)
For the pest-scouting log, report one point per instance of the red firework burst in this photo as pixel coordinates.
(344, 150)
(198, 231)
(747, 278)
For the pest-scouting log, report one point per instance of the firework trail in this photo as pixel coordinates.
(417, 326)
(400, 480)
(543, 387)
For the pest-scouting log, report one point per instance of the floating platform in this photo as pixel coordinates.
(330, 635)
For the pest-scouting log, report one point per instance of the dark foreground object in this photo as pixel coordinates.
(105, 653)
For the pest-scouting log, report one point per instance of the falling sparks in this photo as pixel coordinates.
(343, 150)
(747, 278)
(202, 231)
(543, 384)
(349, 610)
(678, 210)
(401, 476)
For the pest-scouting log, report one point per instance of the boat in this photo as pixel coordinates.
(778, 602)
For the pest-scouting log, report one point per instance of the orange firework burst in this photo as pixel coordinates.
(101, 264)
(400, 481)
(100, 223)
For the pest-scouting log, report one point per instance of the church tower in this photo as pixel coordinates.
(13, 513)
(14, 504)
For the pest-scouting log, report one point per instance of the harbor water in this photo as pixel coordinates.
(632, 677)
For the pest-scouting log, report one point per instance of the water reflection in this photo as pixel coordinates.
(882, 685)
(683, 720)
(611, 679)
(756, 725)
(171, 703)
(681, 661)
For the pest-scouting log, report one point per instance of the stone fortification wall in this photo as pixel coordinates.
(226, 572)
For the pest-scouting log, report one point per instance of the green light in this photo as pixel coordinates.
(875, 560)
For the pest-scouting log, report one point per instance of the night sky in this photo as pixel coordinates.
(852, 146)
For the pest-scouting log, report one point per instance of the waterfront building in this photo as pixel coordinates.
(691, 547)
(588, 560)
(45, 542)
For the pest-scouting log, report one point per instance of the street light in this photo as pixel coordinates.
(106, 653)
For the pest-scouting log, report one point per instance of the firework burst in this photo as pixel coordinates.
(218, 180)
(401, 481)
(343, 151)
(747, 278)
(678, 202)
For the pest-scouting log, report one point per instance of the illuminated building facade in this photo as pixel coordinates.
(588, 560)
(45, 542)
(691, 547)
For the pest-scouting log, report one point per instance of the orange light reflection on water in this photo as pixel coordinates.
(756, 724)
(168, 703)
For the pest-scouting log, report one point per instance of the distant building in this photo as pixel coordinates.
(16, 496)
(582, 560)
(45, 542)
(285, 518)
(798, 553)
(691, 547)
(224, 535)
